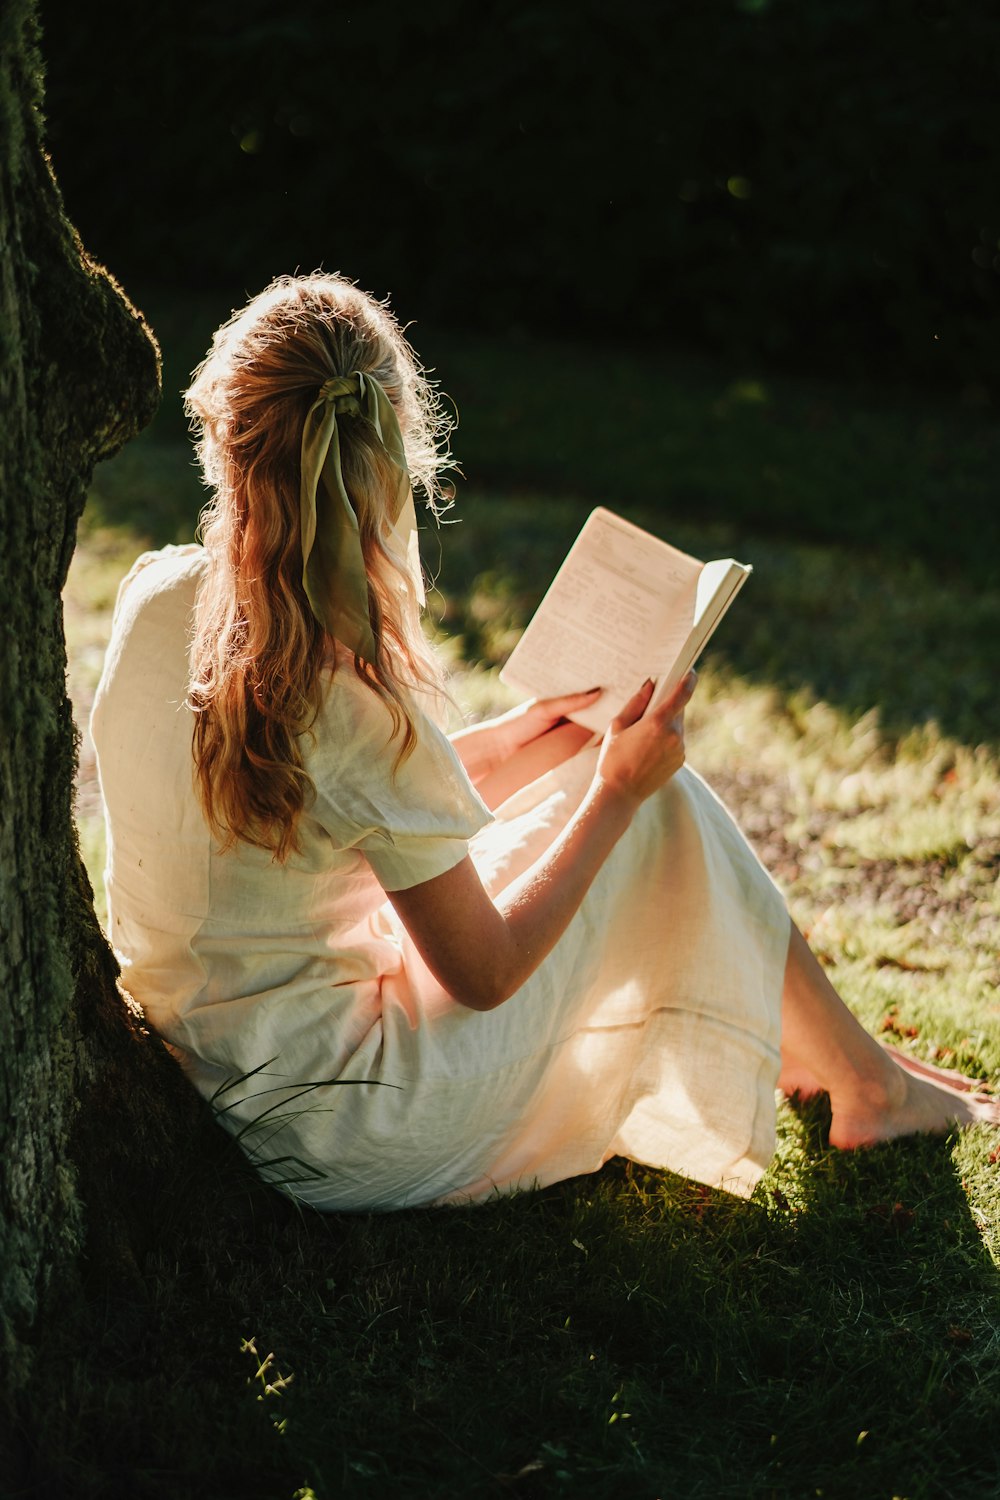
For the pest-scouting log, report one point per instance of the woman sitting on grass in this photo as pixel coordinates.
(305, 883)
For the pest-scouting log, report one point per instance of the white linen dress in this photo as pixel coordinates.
(652, 1030)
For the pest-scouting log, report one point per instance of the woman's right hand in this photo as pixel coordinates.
(482, 950)
(642, 750)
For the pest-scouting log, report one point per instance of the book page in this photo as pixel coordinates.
(620, 607)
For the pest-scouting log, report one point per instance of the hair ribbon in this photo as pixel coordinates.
(333, 567)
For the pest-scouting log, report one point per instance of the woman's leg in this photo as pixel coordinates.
(875, 1094)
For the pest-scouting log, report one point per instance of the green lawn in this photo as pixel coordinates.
(629, 1334)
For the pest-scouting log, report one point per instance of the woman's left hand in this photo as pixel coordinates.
(529, 721)
(484, 747)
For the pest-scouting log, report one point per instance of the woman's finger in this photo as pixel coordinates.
(636, 706)
(679, 698)
(567, 703)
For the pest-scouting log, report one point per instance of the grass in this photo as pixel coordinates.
(627, 1334)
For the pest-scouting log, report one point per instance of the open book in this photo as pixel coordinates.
(624, 606)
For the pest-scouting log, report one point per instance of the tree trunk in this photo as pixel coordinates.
(91, 1107)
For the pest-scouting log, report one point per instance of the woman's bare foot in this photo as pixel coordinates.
(876, 1094)
(795, 1079)
(906, 1102)
(949, 1076)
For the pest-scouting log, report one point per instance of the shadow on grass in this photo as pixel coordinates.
(628, 1333)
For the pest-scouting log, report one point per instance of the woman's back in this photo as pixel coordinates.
(230, 952)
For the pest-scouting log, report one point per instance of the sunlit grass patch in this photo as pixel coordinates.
(908, 833)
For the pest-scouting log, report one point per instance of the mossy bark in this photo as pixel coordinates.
(90, 1105)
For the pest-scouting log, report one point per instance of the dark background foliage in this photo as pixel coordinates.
(792, 182)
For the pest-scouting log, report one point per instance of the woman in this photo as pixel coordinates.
(307, 890)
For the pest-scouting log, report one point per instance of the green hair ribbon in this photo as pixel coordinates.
(333, 568)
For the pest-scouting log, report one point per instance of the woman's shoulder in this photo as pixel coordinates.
(145, 671)
(351, 713)
(410, 812)
(150, 629)
(167, 569)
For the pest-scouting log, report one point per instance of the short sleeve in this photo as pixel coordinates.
(411, 821)
(172, 556)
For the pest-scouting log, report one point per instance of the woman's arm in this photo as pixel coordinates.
(481, 952)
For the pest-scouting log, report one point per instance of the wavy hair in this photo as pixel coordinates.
(259, 658)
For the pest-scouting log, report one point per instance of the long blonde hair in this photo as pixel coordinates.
(259, 658)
